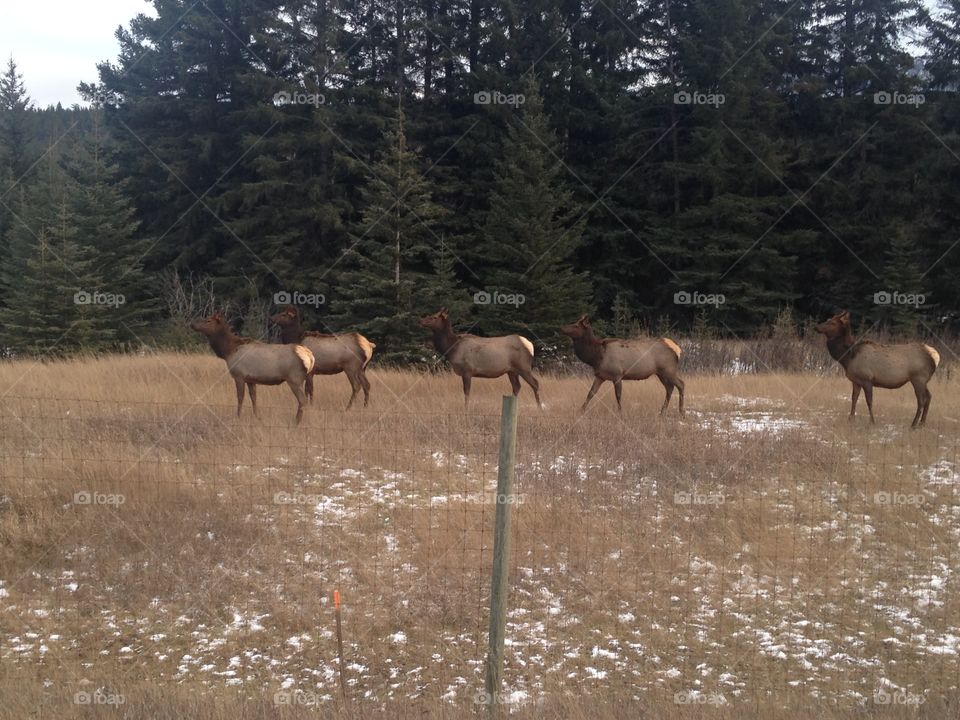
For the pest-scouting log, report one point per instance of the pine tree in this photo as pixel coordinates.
(48, 277)
(531, 233)
(104, 221)
(903, 281)
(15, 132)
(383, 287)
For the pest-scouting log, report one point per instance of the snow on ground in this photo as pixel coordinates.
(713, 631)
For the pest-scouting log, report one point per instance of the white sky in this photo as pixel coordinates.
(58, 43)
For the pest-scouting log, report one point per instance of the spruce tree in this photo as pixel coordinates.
(532, 231)
(15, 121)
(105, 222)
(382, 288)
(48, 276)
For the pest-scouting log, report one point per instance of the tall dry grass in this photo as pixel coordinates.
(737, 561)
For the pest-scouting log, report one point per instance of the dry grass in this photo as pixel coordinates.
(739, 558)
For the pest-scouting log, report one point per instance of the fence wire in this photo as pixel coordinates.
(719, 561)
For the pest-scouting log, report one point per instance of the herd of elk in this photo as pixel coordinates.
(302, 354)
(347, 353)
(868, 365)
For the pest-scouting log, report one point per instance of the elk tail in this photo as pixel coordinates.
(306, 357)
(527, 344)
(672, 345)
(934, 355)
(366, 347)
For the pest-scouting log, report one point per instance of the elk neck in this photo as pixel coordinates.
(224, 343)
(588, 349)
(444, 339)
(840, 347)
(293, 333)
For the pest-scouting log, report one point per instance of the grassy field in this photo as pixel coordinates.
(762, 556)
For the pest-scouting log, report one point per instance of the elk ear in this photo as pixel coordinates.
(844, 316)
(443, 313)
(584, 320)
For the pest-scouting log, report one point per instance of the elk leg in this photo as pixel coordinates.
(533, 383)
(597, 382)
(366, 386)
(308, 388)
(239, 383)
(921, 393)
(868, 394)
(679, 384)
(252, 387)
(618, 391)
(301, 398)
(668, 386)
(514, 382)
(853, 400)
(354, 386)
(926, 406)
(466, 391)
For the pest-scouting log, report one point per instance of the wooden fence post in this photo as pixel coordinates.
(501, 551)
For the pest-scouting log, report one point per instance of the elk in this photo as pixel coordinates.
(348, 353)
(868, 365)
(253, 363)
(617, 360)
(472, 356)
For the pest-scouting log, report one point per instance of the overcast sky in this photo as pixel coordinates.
(58, 43)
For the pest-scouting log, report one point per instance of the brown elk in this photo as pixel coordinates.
(868, 365)
(472, 356)
(348, 353)
(253, 363)
(617, 360)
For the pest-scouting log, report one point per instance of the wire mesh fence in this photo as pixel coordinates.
(709, 561)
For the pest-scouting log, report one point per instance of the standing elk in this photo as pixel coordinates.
(472, 356)
(348, 353)
(253, 363)
(868, 365)
(617, 360)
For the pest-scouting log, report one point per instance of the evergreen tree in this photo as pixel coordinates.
(383, 288)
(531, 233)
(15, 121)
(903, 280)
(104, 221)
(48, 277)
